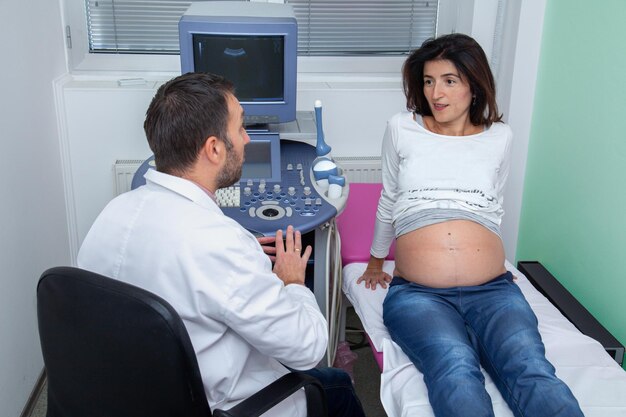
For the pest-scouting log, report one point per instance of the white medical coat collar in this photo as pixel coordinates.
(181, 186)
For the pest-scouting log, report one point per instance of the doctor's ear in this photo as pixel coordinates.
(213, 149)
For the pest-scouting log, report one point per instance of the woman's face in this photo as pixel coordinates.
(448, 94)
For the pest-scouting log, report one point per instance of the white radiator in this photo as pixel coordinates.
(360, 169)
(355, 169)
(124, 171)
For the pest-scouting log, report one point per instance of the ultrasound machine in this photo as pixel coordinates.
(285, 179)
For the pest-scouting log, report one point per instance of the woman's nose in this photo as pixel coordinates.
(436, 91)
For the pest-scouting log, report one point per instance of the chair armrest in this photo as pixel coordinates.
(276, 392)
(570, 307)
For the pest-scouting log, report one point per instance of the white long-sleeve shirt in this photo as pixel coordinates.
(170, 238)
(424, 170)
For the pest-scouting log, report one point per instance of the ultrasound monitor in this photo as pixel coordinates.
(262, 158)
(254, 45)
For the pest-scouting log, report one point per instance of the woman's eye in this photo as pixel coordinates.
(428, 82)
(451, 82)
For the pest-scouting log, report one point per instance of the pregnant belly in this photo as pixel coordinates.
(449, 254)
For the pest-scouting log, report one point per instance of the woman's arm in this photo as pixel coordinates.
(383, 229)
(504, 166)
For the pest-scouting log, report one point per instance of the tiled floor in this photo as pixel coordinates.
(366, 371)
(40, 406)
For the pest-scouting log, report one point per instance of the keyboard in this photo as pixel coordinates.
(228, 197)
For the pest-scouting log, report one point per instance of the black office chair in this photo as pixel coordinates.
(111, 349)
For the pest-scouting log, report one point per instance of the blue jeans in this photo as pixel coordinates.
(449, 332)
(340, 395)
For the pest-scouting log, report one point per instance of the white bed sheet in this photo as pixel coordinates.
(596, 380)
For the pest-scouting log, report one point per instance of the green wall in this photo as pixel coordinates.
(573, 216)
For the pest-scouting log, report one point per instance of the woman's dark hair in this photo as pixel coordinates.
(184, 112)
(469, 59)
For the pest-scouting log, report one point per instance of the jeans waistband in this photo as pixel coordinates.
(398, 280)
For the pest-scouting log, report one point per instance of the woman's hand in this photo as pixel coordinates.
(374, 274)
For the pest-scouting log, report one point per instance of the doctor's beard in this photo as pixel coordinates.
(231, 173)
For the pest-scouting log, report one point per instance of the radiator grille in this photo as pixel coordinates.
(355, 169)
(124, 171)
(360, 169)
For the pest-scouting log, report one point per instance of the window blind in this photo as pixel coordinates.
(363, 27)
(134, 26)
(325, 27)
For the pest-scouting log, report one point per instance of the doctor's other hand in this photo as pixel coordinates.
(291, 260)
(268, 246)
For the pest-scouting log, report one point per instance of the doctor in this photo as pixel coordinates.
(247, 322)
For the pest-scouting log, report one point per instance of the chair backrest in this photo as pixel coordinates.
(112, 349)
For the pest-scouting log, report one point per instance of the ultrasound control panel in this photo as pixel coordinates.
(291, 198)
(277, 188)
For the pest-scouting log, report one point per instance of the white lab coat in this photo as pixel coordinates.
(170, 238)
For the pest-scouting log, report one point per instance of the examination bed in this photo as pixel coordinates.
(591, 369)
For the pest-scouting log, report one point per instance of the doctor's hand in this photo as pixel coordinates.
(374, 274)
(291, 260)
(268, 246)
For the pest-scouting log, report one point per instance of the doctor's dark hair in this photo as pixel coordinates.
(184, 112)
(471, 62)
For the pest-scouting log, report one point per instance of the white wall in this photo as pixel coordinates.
(33, 226)
(516, 76)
